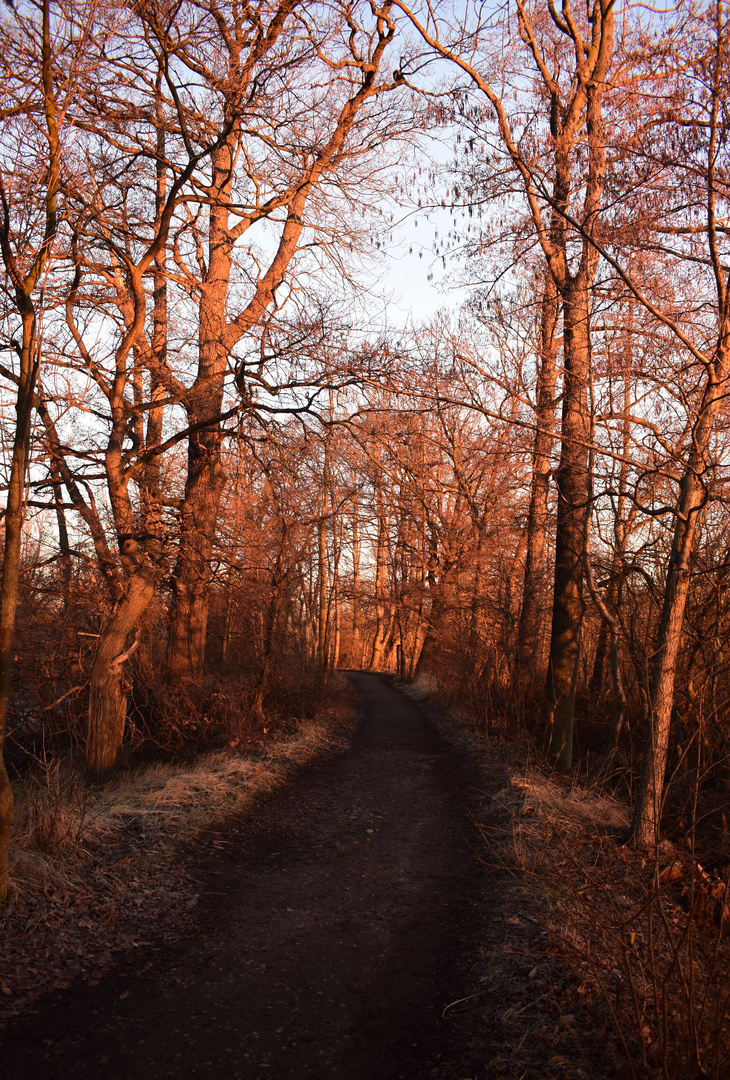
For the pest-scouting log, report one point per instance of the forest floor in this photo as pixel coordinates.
(369, 909)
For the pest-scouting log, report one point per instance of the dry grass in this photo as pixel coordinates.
(215, 786)
(95, 871)
(630, 974)
(642, 936)
(550, 800)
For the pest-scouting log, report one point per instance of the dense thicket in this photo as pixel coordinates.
(222, 482)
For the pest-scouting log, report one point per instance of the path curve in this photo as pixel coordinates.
(331, 934)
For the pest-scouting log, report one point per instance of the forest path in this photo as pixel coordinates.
(335, 925)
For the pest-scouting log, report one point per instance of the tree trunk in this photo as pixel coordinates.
(647, 818)
(14, 516)
(337, 644)
(151, 472)
(190, 596)
(530, 660)
(383, 612)
(608, 638)
(323, 627)
(356, 648)
(228, 620)
(691, 501)
(595, 686)
(333, 605)
(609, 627)
(419, 639)
(572, 487)
(574, 116)
(23, 287)
(64, 546)
(267, 650)
(421, 629)
(206, 476)
(478, 595)
(107, 688)
(508, 599)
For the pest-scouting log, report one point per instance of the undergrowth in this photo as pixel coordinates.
(95, 869)
(646, 936)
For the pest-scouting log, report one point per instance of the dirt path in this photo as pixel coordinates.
(333, 929)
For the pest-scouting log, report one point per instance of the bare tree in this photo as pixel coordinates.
(538, 513)
(283, 146)
(37, 98)
(570, 55)
(702, 178)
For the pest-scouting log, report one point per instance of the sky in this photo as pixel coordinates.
(411, 279)
(405, 284)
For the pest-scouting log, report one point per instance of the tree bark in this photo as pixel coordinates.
(356, 648)
(610, 623)
(692, 497)
(190, 596)
(323, 620)
(219, 334)
(478, 594)
(14, 517)
(383, 610)
(571, 115)
(23, 286)
(108, 690)
(267, 652)
(206, 476)
(595, 686)
(693, 490)
(530, 661)
(572, 482)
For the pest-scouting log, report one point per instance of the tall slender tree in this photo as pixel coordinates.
(38, 97)
(562, 172)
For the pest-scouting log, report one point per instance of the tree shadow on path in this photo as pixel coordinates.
(333, 928)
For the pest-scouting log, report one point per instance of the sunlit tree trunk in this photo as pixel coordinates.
(150, 492)
(206, 476)
(242, 48)
(22, 286)
(691, 502)
(574, 112)
(530, 631)
(356, 647)
(572, 483)
(708, 83)
(14, 517)
(383, 608)
(107, 689)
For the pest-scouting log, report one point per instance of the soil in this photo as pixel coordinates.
(349, 929)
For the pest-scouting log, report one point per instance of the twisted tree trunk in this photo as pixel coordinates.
(108, 688)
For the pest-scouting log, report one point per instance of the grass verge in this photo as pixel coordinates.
(608, 962)
(96, 872)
